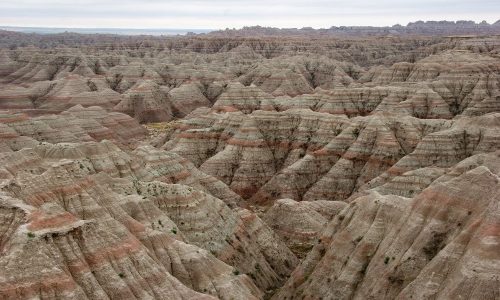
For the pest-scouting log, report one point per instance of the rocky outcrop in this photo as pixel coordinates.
(76, 124)
(386, 246)
(297, 155)
(188, 97)
(267, 168)
(152, 208)
(77, 193)
(299, 223)
(303, 159)
(443, 77)
(102, 241)
(246, 99)
(147, 102)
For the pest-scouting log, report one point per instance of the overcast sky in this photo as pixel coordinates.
(219, 14)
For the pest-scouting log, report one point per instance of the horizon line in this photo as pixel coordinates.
(234, 28)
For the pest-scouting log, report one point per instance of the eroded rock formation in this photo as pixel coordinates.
(276, 164)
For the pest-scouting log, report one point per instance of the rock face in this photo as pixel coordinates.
(69, 196)
(309, 217)
(76, 124)
(304, 167)
(425, 77)
(396, 247)
(311, 156)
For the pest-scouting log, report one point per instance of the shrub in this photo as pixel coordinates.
(121, 275)
(174, 230)
(386, 260)
(31, 234)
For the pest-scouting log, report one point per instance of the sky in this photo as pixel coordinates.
(220, 14)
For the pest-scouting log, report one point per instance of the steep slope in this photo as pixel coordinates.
(70, 186)
(300, 164)
(442, 243)
(299, 223)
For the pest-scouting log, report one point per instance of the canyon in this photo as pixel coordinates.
(261, 163)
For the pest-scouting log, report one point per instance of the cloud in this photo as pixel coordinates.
(237, 13)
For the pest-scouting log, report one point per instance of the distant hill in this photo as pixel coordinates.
(120, 31)
(429, 28)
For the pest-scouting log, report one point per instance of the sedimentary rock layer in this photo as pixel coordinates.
(283, 167)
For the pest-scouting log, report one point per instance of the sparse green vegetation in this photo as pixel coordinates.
(31, 234)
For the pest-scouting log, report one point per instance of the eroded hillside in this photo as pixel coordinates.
(233, 167)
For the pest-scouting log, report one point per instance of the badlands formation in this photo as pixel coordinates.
(253, 164)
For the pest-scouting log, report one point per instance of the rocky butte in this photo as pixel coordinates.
(261, 163)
